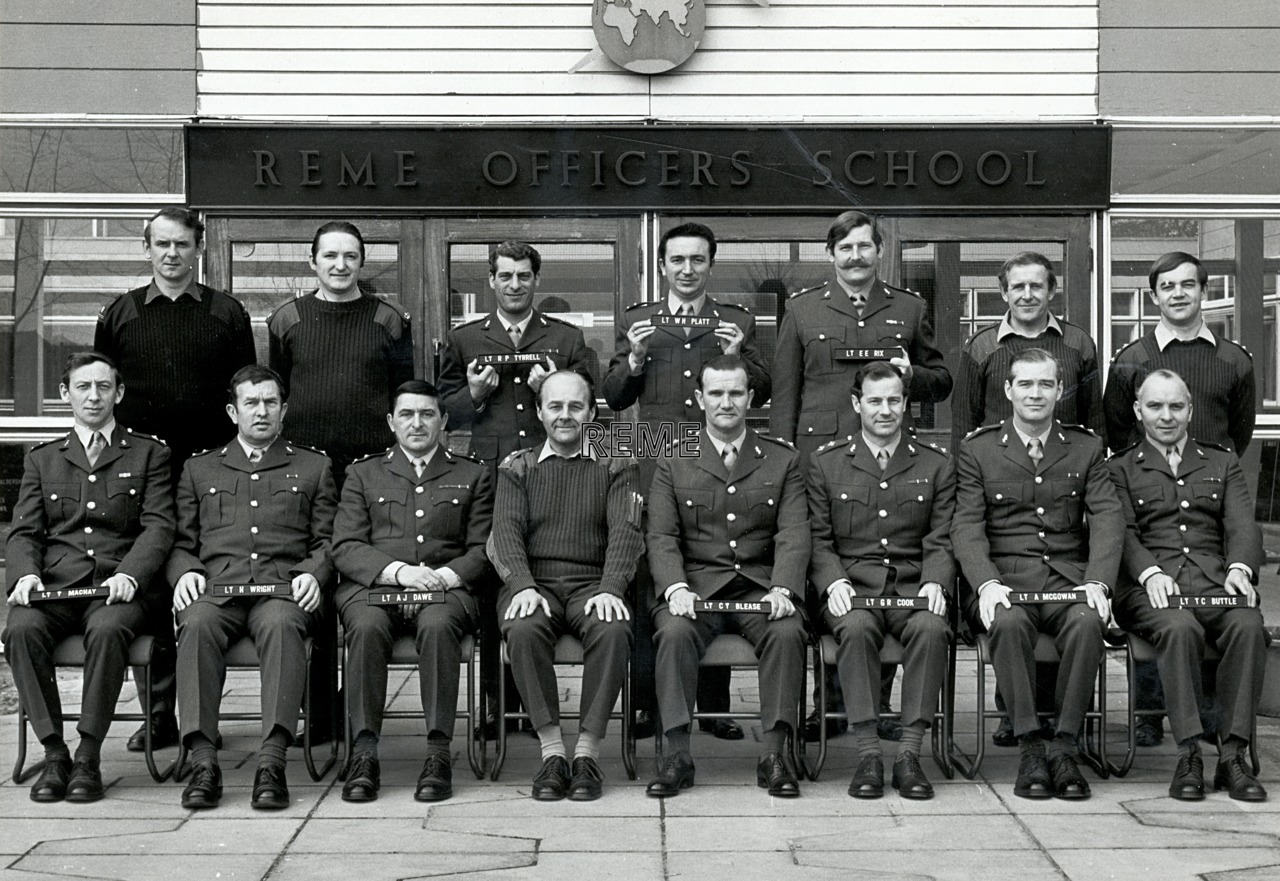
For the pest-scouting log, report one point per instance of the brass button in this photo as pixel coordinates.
(732, 517)
(884, 484)
(884, 513)
(731, 490)
(253, 529)
(92, 505)
(419, 513)
(1039, 479)
(253, 504)
(253, 556)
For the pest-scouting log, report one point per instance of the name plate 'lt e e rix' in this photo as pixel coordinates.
(1047, 596)
(273, 589)
(684, 321)
(497, 359)
(1209, 602)
(889, 602)
(69, 593)
(730, 606)
(869, 354)
(404, 597)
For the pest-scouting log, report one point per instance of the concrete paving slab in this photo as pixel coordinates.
(24, 834)
(1116, 832)
(581, 834)
(403, 835)
(398, 866)
(956, 865)
(1177, 864)
(229, 867)
(211, 836)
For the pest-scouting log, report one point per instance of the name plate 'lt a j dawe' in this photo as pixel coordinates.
(404, 597)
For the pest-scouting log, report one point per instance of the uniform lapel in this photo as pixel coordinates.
(1056, 447)
(709, 460)
(1014, 451)
(877, 299)
(397, 462)
(708, 310)
(1193, 459)
(534, 331)
(112, 452)
(73, 452)
(750, 457)
(902, 458)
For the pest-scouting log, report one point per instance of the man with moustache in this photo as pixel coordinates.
(415, 518)
(1191, 532)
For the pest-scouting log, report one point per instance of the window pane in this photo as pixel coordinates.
(90, 160)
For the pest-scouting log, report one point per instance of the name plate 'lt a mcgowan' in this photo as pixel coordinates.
(270, 589)
(1207, 602)
(404, 597)
(1047, 596)
(499, 358)
(69, 593)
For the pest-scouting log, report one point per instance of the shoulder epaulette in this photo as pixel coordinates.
(370, 456)
(517, 461)
(1239, 345)
(43, 444)
(642, 303)
(720, 304)
(557, 319)
(1125, 347)
(450, 454)
(1071, 426)
(983, 429)
(833, 444)
(902, 290)
(927, 445)
(1120, 452)
(150, 437)
(777, 440)
(475, 320)
(395, 307)
(208, 451)
(802, 291)
(290, 445)
(1211, 445)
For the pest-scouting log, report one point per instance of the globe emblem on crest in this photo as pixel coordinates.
(649, 36)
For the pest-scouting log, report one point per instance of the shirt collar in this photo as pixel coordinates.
(548, 452)
(86, 434)
(426, 460)
(737, 442)
(153, 291)
(1027, 438)
(1164, 335)
(1007, 329)
(521, 324)
(675, 304)
(249, 448)
(1163, 448)
(889, 449)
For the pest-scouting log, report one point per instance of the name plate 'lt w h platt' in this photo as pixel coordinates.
(684, 321)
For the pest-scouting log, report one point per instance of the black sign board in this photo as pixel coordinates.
(684, 321)
(272, 589)
(500, 358)
(1202, 602)
(889, 602)
(730, 606)
(868, 354)
(630, 168)
(69, 593)
(404, 597)
(1048, 596)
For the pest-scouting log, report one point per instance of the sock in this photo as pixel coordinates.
(439, 743)
(55, 747)
(201, 749)
(1063, 745)
(678, 740)
(1233, 747)
(588, 746)
(89, 749)
(552, 740)
(912, 738)
(775, 738)
(366, 742)
(866, 738)
(1189, 747)
(274, 747)
(1031, 744)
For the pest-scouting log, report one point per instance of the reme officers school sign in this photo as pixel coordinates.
(602, 168)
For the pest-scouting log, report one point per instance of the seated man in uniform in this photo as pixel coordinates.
(414, 518)
(1192, 533)
(566, 541)
(258, 510)
(94, 509)
(731, 523)
(1023, 490)
(880, 512)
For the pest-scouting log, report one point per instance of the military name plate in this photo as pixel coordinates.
(500, 358)
(1047, 596)
(889, 602)
(273, 589)
(1210, 602)
(684, 321)
(404, 597)
(730, 606)
(69, 593)
(869, 354)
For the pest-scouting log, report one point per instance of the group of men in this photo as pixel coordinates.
(552, 530)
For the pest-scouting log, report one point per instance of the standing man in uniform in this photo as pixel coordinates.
(880, 512)
(415, 518)
(813, 367)
(1219, 374)
(179, 342)
(1192, 533)
(1023, 491)
(94, 509)
(657, 365)
(258, 510)
(566, 540)
(1027, 284)
(730, 524)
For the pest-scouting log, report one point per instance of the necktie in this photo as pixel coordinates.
(255, 456)
(1174, 460)
(96, 445)
(1035, 449)
(730, 456)
(882, 458)
(858, 303)
(686, 309)
(515, 335)
(418, 466)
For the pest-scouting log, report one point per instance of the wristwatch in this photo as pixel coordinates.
(777, 588)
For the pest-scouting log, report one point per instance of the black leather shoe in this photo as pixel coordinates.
(164, 733)
(889, 729)
(724, 729)
(551, 783)
(270, 790)
(811, 733)
(773, 774)
(51, 785)
(1234, 776)
(909, 779)
(677, 774)
(364, 779)
(435, 783)
(1003, 735)
(1034, 779)
(1068, 782)
(1149, 731)
(588, 780)
(868, 778)
(85, 784)
(646, 725)
(204, 790)
(1188, 778)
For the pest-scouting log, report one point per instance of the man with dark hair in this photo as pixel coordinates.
(258, 510)
(179, 342)
(340, 352)
(1024, 489)
(1191, 532)
(656, 365)
(414, 518)
(730, 524)
(880, 512)
(94, 510)
(566, 539)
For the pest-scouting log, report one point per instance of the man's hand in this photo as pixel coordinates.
(1237, 584)
(937, 597)
(122, 588)
(992, 594)
(607, 607)
(730, 337)
(1159, 588)
(638, 336)
(21, 595)
(538, 374)
(903, 363)
(780, 606)
(188, 589)
(306, 591)
(481, 381)
(525, 603)
(840, 598)
(681, 603)
(420, 578)
(1096, 595)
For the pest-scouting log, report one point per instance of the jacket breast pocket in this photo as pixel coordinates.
(1068, 503)
(125, 498)
(291, 499)
(819, 342)
(915, 502)
(762, 506)
(1004, 498)
(697, 508)
(1147, 500)
(1208, 495)
(218, 501)
(849, 503)
(659, 387)
(60, 501)
(387, 513)
(450, 506)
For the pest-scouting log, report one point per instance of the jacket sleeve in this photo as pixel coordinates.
(455, 394)
(1117, 405)
(760, 379)
(969, 524)
(1135, 558)
(279, 354)
(473, 566)
(146, 557)
(319, 559)
(626, 543)
(666, 563)
(506, 542)
(825, 566)
(619, 388)
(930, 379)
(788, 378)
(185, 556)
(1105, 520)
(938, 564)
(1243, 413)
(792, 541)
(968, 404)
(1243, 537)
(354, 555)
(24, 552)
